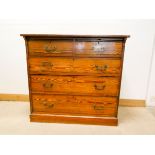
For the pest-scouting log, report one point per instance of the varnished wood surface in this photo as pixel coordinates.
(49, 118)
(51, 47)
(66, 72)
(74, 35)
(75, 105)
(84, 47)
(75, 84)
(80, 47)
(73, 66)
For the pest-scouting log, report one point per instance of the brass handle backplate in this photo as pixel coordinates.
(47, 104)
(98, 47)
(101, 68)
(48, 85)
(98, 107)
(50, 49)
(46, 64)
(99, 87)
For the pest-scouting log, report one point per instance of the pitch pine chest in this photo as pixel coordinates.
(74, 78)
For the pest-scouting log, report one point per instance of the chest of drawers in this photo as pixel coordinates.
(74, 78)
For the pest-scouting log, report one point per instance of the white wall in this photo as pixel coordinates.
(13, 74)
(150, 99)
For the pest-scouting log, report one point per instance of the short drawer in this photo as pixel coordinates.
(74, 105)
(76, 66)
(106, 86)
(98, 47)
(50, 47)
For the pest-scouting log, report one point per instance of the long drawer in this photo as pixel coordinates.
(106, 86)
(75, 66)
(80, 47)
(74, 105)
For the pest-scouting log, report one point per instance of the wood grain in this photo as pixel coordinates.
(73, 77)
(50, 47)
(75, 66)
(82, 85)
(78, 47)
(49, 118)
(74, 36)
(75, 105)
(83, 47)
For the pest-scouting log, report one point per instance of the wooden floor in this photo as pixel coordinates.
(14, 119)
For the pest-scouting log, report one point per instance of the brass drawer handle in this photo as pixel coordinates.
(47, 85)
(101, 68)
(47, 104)
(99, 87)
(98, 47)
(50, 49)
(47, 64)
(98, 107)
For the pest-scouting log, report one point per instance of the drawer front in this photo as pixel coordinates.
(106, 86)
(98, 47)
(50, 65)
(75, 105)
(100, 66)
(50, 47)
(104, 67)
(80, 47)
